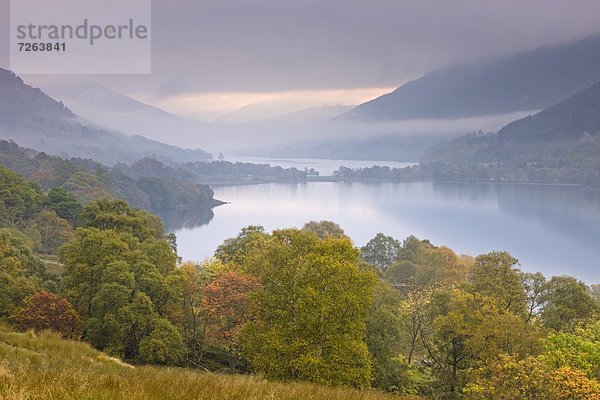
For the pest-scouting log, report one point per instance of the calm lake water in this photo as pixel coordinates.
(552, 229)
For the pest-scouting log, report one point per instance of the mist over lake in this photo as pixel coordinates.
(550, 228)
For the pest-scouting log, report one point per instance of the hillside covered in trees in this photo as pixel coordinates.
(147, 184)
(406, 317)
(560, 144)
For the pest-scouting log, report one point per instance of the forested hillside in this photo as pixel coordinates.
(156, 189)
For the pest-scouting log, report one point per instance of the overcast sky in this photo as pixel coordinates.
(241, 51)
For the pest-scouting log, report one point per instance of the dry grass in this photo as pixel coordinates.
(47, 367)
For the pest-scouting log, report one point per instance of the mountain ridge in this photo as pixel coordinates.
(530, 80)
(33, 119)
(566, 134)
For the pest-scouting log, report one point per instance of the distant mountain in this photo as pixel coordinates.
(312, 114)
(263, 110)
(564, 135)
(114, 110)
(32, 119)
(376, 141)
(526, 81)
(407, 148)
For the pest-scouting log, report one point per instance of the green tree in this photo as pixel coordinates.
(536, 287)
(121, 275)
(596, 292)
(311, 311)
(161, 194)
(414, 320)
(467, 330)
(578, 350)
(117, 215)
(87, 258)
(20, 272)
(164, 345)
(381, 251)
(324, 229)
(64, 204)
(401, 272)
(86, 187)
(391, 371)
(438, 265)
(192, 321)
(20, 199)
(567, 302)
(234, 250)
(53, 231)
(495, 275)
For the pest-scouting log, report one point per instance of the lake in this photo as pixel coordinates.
(552, 229)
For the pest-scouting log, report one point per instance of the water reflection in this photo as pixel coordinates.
(553, 229)
(175, 220)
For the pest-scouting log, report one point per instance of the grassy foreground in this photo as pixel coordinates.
(47, 367)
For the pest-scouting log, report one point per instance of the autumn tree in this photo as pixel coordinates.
(311, 310)
(225, 307)
(509, 378)
(44, 310)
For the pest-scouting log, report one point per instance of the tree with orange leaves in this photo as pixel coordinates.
(44, 310)
(226, 305)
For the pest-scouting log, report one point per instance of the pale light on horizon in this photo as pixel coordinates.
(209, 106)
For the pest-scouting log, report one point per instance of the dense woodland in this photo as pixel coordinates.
(493, 173)
(224, 171)
(159, 189)
(405, 317)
